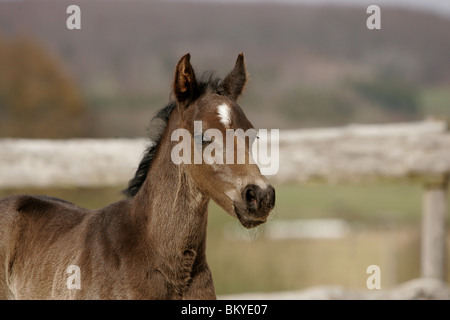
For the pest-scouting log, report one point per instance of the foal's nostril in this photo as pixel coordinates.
(250, 195)
(251, 198)
(257, 199)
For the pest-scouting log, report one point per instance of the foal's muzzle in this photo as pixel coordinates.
(256, 205)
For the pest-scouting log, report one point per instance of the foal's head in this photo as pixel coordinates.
(237, 186)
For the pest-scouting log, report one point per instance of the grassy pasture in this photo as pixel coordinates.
(384, 230)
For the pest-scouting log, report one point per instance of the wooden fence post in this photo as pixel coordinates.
(434, 237)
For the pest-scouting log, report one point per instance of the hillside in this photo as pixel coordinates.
(309, 65)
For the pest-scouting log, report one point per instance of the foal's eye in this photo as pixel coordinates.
(206, 139)
(202, 139)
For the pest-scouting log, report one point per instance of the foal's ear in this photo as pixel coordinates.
(235, 81)
(184, 85)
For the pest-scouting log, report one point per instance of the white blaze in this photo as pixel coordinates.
(224, 114)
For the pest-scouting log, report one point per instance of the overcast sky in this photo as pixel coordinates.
(441, 7)
(438, 6)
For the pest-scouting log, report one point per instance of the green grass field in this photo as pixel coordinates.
(385, 230)
(435, 102)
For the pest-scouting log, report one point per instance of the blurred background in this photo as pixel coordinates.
(311, 64)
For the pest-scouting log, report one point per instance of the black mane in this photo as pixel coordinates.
(156, 129)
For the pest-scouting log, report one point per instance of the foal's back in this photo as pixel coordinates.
(40, 237)
(32, 229)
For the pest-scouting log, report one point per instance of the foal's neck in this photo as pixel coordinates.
(175, 210)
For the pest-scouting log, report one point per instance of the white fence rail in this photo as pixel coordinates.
(416, 152)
